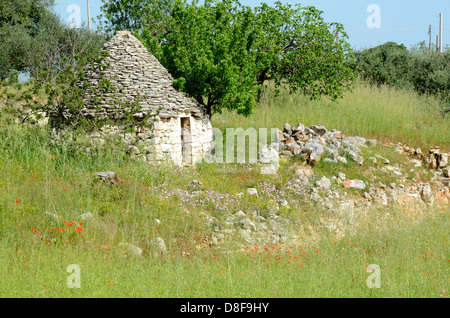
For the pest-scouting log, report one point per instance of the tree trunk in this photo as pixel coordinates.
(260, 95)
(260, 81)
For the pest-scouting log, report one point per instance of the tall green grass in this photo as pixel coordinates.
(413, 261)
(383, 112)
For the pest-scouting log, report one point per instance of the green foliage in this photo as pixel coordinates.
(56, 45)
(426, 72)
(221, 52)
(146, 19)
(430, 74)
(73, 101)
(206, 51)
(18, 26)
(134, 15)
(385, 64)
(35, 40)
(294, 45)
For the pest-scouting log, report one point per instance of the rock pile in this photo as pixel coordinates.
(434, 159)
(316, 143)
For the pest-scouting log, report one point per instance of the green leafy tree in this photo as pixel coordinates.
(207, 51)
(430, 74)
(148, 20)
(18, 26)
(55, 45)
(221, 52)
(296, 46)
(385, 64)
(35, 40)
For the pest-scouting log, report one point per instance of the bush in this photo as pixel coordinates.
(385, 64)
(428, 73)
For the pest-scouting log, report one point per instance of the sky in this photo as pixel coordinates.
(368, 23)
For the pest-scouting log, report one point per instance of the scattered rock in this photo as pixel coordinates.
(319, 130)
(133, 249)
(354, 184)
(247, 224)
(426, 193)
(416, 163)
(87, 216)
(324, 183)
(195, 185)
(158, 245)
(107, 176)
(53, 215)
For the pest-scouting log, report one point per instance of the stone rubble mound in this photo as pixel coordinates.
(318, 143)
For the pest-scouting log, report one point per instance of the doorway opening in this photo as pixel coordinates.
(186, 139)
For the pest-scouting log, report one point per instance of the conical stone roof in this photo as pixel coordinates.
(135, 71)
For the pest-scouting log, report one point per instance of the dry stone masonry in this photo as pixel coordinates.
(317, 143)
(178, 128)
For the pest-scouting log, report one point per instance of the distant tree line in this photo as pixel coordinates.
(34, 40)
(393, 64)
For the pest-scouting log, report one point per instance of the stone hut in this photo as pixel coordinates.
(177, 127)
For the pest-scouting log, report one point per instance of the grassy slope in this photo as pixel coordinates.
(36, 177)
(383, 113)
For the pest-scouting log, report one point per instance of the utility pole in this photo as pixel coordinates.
(89, 15)
(431, 44)
(441, 49)
(437, 43)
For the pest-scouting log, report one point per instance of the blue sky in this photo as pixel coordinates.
(402, 21)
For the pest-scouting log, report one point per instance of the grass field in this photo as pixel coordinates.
(410, 247)
(383, 113)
